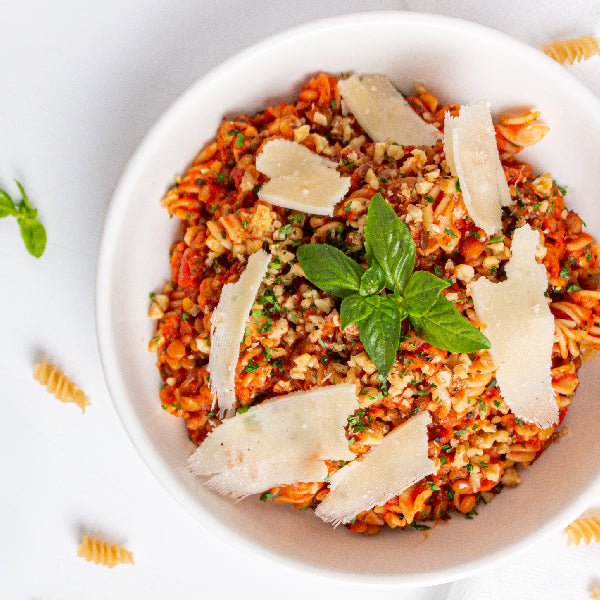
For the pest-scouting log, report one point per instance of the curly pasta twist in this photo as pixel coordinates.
(103, 553)
(583, 530)
(572, 50)
(59, 385)
(595, 593)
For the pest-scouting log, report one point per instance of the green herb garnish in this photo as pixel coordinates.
(32, 231)
(471, 514)
(266, 496)
(561, 188)
(251, 366)
(378, 298)
(420, 526)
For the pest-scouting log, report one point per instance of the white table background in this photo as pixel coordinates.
(80, 84)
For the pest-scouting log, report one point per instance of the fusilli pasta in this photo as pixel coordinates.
(103, 553)
(583, 530)
(572, 50)
(59, 385)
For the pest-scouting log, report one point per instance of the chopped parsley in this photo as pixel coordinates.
(251, 366)
(266, 495)
(419, 526)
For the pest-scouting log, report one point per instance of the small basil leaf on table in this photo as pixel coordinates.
(388, 241)
(33, 234)
(422, 291)
(353, 309)
(444, 327)
(7, 206)
(380, 332)
(330, 269)
(32, 231)
(24, 205)
(372, 280)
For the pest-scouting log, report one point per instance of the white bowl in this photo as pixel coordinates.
(458, 62)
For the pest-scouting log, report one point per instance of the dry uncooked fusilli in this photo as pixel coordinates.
(103, 553)
(572, 50)
(583, 530)
(59, 385)
(595, 593)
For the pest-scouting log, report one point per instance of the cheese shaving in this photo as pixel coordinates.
(228, 323)
(299, 178)
(520, 327)
(282, 440)
(241, 481)
(401, 460)
(383, 113)
(472, 156)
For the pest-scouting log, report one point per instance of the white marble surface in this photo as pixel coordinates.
(80, 84)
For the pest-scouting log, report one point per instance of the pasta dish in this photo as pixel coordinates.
(298, 337)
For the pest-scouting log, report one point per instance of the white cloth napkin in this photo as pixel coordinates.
(588, 72)
(549, 570)
(534, 22)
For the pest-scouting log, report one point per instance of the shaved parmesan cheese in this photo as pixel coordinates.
(472, 156)
(383, 113)
(300, 179)
(282, 440)
(520, 328)
(282, 157)
(228, 323)
(241, 481)
(401, 460)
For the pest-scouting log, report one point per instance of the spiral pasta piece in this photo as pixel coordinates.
(58, 384)
(572, 50)
(583, 530)
(103, 553)
(595, 593)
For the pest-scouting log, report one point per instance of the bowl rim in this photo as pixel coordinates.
(136, 433)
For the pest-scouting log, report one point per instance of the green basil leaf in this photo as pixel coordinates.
(388, 241)
(353, 309)
(24, 207)
(7, 206)
(422, 291)
(380, 332)
(330, 269)
(372, 280)
(34, 235)
(444, 327)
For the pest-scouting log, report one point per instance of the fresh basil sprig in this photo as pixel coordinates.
(32, 231)
(380, 297)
